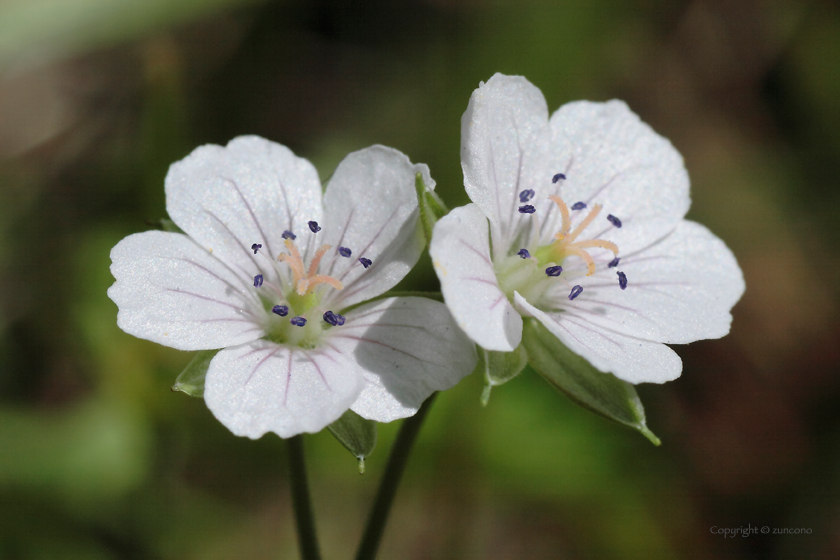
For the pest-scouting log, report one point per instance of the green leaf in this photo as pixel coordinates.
(602, 393)
(191, 380)
(357, 434)
(431, 206)
(500, 367)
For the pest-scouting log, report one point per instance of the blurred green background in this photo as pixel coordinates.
(99, 460)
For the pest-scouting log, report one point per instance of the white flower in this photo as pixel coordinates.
(586, 234)
(256, 276)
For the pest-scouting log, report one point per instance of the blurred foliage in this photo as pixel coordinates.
(99, 459)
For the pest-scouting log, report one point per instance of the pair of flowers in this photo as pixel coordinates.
(290, 284)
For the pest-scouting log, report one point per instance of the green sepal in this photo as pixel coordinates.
(357, 434)
(500, 367)
(191, 380)
(602, 393)
(431, 206)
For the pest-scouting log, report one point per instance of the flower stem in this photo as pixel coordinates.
(390, 480)
(301, 503)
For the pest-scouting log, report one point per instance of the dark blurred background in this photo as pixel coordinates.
(99, 460)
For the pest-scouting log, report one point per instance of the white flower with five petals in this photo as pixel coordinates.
(256, 276)
(577, 221)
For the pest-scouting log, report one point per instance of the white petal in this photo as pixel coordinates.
(264, 387)
(505, 150)
(370, 207)
(634, 360)
(611, 157)
(171, 291)
(407, 347)
(460, 252)
(679, 290)
(250, 191)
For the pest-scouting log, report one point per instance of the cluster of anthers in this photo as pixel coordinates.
(300, 297)
(565, 242)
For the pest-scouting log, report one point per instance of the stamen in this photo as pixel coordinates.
(564, 213)
(314, 227)
(526, 195)
(288, 235)
(281, 310)
(527, 209)
(622, 280)
(613, 263)
(576, 291)
(256, 247)
(334, 319)
(365, 262)
(524, 253)
(578, 206)
(298, 321)
(554, 271)
(258, 280)
(557, 177)
(344, 252)
(614, 221)
(585, 223)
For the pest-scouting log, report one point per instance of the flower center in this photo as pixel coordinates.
(292, 311)
(535, 270)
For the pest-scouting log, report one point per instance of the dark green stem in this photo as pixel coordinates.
(301, 502)
(390, 480)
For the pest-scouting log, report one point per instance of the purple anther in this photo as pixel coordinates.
(281, 310)
(527, 209)
(558, 177)
(258, 280)
(526, 195)
(614, 221)
(344, 252)
(554, 270)
(314, 227)
(289, 235)
(298, 321)
(256, 247)
(524, 253)
(334, 319)
(622, 279)
(578, 206)
(613, 263)
(576, 291)
(365, 262)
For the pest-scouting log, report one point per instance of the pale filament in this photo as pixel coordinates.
(305, 281)
(565, 239)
